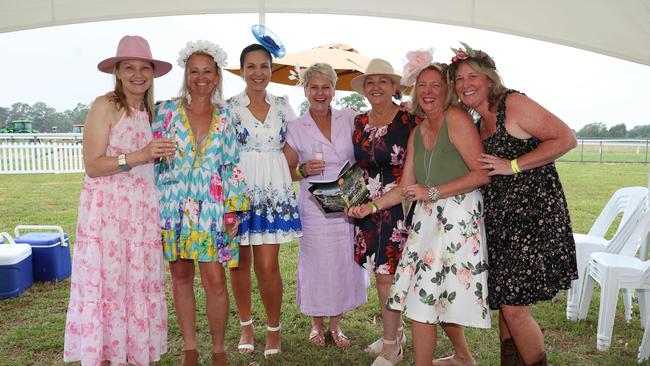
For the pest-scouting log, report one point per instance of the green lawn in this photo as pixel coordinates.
(31, 326)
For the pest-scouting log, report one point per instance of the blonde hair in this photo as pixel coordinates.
(121, 96)
(496, 90)
(414, 106)
(318, 69)
(217, 93)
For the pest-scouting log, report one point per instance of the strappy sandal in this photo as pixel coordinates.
(272, 352)
(381, 361)
(451, 361)
(245, 348)
(339, 338)
(375, 347)
(316, 337)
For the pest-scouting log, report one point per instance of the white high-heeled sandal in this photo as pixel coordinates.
(375, 347)
(272, 351)
(381, 361)
(245, 348)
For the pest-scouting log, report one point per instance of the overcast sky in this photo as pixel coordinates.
(58, 65)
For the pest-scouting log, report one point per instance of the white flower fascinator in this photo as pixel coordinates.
(207, 47)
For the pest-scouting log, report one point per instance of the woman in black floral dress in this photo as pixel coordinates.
(380, 138)
(531, 250)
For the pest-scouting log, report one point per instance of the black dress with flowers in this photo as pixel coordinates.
(381, 152)
(531, 250)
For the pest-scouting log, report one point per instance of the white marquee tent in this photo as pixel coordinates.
(618, 28)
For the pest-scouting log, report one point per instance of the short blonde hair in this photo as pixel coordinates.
(318, 69)
(414, 106)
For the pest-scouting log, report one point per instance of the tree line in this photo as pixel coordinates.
(44, 117)
(600, 130)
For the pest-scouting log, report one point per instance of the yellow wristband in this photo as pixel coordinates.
(298, 172)
(373, 207)
(514, 166)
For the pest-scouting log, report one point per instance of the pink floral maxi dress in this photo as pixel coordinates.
(118, 309)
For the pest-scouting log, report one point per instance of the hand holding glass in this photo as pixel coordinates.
(167, 176)
(317, 150)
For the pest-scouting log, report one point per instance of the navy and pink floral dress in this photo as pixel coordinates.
(381, 153)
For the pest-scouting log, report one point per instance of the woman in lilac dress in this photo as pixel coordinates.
(330, 283)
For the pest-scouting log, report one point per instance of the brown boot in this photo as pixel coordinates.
(541, 362)
(190, 357)
(509, 354)
(219, 359)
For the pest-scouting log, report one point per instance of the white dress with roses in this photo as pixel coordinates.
(442, 275)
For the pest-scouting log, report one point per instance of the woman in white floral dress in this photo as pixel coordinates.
(442, 275)
(260, 120)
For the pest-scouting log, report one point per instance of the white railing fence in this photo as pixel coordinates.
(40, 157)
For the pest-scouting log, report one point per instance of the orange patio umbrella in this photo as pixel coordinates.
(347, 62)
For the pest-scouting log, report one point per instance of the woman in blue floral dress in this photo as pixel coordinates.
(261, 123)
(199, 193)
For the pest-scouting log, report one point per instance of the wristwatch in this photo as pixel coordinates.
(121, 161)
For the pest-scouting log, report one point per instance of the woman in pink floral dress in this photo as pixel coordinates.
(118, 309)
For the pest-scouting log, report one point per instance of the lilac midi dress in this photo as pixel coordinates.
(330, 282)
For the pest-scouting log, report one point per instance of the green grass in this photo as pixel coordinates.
(31, 326)
(609, 153)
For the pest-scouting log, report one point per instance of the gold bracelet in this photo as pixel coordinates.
(515, 166)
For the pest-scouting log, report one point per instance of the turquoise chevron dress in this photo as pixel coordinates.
(206, 185)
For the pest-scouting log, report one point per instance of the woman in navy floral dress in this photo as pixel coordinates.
(380, 137)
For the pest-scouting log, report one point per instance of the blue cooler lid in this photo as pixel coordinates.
(37, 238)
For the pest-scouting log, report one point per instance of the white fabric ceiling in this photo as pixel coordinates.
(618, 28)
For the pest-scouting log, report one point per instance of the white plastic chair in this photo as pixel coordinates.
(614, 272)
(631, 201)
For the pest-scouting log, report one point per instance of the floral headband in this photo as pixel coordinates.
(467, 53)
(207, 47)
(416, 61)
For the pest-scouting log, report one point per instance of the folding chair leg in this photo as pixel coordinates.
(627, 301)
(644, 349)
(573, 300)
(606, 313)
(585, 298)
(644, 301)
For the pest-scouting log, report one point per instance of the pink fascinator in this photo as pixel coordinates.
(416, 61)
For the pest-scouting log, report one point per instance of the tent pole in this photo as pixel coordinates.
(261, 12)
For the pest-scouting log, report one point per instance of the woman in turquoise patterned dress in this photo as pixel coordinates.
(199, 193)
(261, 123)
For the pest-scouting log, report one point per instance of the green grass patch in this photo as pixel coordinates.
(31, 326)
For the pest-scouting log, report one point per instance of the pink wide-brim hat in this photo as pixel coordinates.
(134, 48)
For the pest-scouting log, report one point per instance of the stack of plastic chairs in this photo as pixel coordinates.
(615, 272)
(632, 203)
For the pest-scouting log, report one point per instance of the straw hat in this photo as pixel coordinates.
(134, 48)
(376, 66)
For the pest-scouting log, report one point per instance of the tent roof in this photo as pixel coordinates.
(616, 28)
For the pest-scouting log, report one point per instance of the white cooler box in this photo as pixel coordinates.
(15, 267)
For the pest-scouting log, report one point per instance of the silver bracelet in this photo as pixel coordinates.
(434, 194)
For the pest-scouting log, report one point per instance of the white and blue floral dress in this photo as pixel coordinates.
(273, 215)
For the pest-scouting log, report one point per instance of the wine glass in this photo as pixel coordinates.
(167, 175)
(317, 151)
